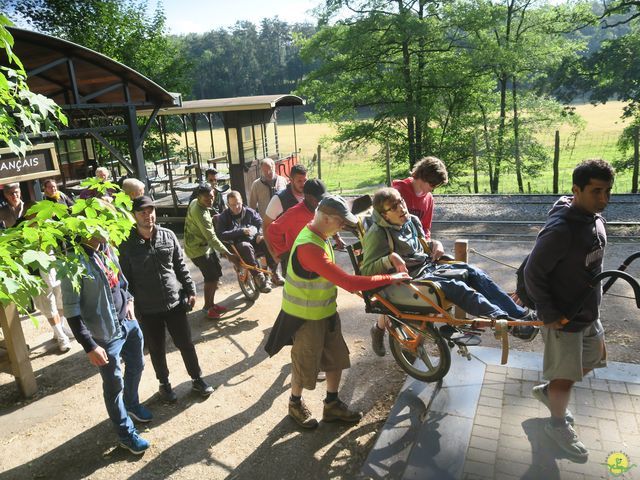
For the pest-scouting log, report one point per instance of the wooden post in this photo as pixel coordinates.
(556, 161)
(475, 164)
(636, 160)
(461, 254)
(319, 162)
(388, 163)
(18, 351)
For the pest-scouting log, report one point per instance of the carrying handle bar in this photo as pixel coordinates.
(623, 266)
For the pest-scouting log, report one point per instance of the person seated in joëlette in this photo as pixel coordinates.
(242, 227)
(397, 242)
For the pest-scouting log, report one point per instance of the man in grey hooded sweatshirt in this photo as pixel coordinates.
(567, 255)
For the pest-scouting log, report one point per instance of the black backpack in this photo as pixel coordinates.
(521, 289)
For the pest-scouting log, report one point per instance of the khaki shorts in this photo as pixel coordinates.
(566, 354)
(315, 349)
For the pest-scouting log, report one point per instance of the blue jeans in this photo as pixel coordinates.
(479, 295)
(121, 391)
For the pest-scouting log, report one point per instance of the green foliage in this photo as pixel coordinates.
(247, 59)
(52, 237)
(428, 72)
(120, 29)
(22, 112)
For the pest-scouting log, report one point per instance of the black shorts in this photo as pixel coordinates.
(209, 265)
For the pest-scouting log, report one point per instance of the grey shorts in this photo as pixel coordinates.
(317, 347)
(566, 354)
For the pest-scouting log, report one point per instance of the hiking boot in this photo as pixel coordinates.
(539, 392)
(299, 412)
(337, 411)
(134, 443)
(200, 386)
(167, 394)
(277, 279)
(140, 413)
(377, 341)
(567, 439)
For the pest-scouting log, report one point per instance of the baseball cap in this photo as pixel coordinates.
(335, 205)
(315, 187)
(141, 203)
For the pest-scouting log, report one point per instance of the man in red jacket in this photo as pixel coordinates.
(427, 175)
(281, 234)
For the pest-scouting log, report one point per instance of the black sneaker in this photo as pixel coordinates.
(167, 394)
(202, 387)
(526, 332)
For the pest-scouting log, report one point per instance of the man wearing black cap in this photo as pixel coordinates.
(309, 313)
(281, 234)
(153, 261)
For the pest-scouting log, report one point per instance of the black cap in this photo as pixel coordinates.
(315, 187)
(335, 205)
(141, 203)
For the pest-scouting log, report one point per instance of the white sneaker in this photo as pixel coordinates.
(64, 344)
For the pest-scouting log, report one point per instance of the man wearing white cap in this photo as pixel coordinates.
(309, 313)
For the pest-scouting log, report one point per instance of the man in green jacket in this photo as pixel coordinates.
(201, 245)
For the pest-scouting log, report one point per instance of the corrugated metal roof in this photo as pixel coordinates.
(211, 105)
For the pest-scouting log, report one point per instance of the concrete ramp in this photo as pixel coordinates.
(481, 422)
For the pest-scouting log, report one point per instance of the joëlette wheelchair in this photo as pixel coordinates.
(412, 331)
(245, 278)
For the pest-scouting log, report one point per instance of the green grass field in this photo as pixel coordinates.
(356, 172)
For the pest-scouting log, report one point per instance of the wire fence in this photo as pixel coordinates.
(357, 173)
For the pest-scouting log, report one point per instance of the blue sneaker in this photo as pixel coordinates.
(134, 443)
(140, 413)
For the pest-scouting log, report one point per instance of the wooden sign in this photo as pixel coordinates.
(40, 161)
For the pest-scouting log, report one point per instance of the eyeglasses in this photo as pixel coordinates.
(395, 206)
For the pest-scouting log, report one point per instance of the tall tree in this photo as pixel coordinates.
(398, 60)
(519, 42)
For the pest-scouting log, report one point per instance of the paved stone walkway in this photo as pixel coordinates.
(483, 423)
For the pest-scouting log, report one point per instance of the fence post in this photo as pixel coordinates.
(319, 163)
(461, 254)
(388, 163)
(636, 159)
(556, 161)
(475, 164)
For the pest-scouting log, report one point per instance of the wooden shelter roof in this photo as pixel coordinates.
(211, 105)
(71, 74)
